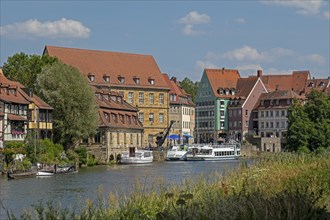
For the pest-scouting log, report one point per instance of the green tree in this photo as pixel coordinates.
(25, 68)
(75, 113)
(190, 87)
(309, 124)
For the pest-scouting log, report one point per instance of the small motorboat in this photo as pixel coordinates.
(134, 156)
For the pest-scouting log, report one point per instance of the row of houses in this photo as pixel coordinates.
(21, 112)
(137, 102)
(254, 108)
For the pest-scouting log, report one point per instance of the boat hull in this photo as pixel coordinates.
(200, 158)
(21, 175)
(45, 173)
(135, 161)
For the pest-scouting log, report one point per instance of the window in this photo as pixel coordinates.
(130, 97)
(136, 80)
(141, 117)
(91, 77)
(246, 112)
(121, 118)
(151, 98)
(161, 117)
(222, 112)
(134, 119)
(262, 124)
(246, 124)
(141, 97)
(230, 113)
(151, 117)
(230, 124)
(107, 116)
(277, 113)
(239, 112)
(288, 101)
(97, 137)
(114, 117)
(106, 78)
(262, 114)
(121, 79)
(283, 113)
(222, 124)
(128, 119)
(161, 98)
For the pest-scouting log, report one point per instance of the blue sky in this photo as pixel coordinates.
(184, 37)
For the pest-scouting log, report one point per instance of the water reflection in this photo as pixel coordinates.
(70, 189)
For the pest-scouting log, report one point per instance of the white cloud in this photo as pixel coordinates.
(303, 7)
(326, 14)
(249, 68)
(190, 20)
(240, 20)
(64, 28)
(314, 59)
(245, 53)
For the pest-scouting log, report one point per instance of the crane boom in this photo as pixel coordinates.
(161, 136)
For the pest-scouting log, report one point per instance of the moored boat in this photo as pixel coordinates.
(214, 152)
(45, 173)
(20, 175)
(177, 152)
(134, 156)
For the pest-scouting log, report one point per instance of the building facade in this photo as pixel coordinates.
(217, 86)
(119, 127)
(182, 111)
(240, 108)
(21, 112)
(136, 77)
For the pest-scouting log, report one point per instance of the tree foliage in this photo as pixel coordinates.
(25, 68)
(190, 87)
(309, 124)
(75, 113)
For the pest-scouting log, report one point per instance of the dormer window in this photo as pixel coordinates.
(119, 99)
(151, 81)
(121, 79)
(262, 102)
(128, 119)
(121, 117)
(310, 84)
(107, 116)
(91, 77)
(113, 98)
(233, 91)
(322, 84)
(98, 95)
(106, 97)
(106, 78)
(114, 117)
(14, 91)
(220, 91)
(136, 80)
(227, 91)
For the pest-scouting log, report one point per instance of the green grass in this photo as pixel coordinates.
(276, 186)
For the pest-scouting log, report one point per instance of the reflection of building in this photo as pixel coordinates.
(119, 127)
(241, 105)
(182, 111)
(20, 113)
(215, 89)
(137, 77)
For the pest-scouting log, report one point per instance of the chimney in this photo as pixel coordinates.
(31, 93)
(173, 79)
(276, 87)
(259, 73)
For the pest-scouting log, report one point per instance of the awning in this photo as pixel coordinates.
(12, 117)
(188, 136)
(173, 137)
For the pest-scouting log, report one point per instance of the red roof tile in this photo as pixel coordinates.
(112, 64)
(222, 78)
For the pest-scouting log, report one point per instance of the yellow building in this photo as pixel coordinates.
(137, 77)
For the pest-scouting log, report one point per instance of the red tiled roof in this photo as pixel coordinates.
(112, 64)
(320, 85)
(119, 124)
(244, 86)
(222, 78)
(176, 89)
(296, 81)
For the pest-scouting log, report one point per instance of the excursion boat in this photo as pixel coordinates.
(134, 156)
(177, 152)
(45, 173)
(214, 152)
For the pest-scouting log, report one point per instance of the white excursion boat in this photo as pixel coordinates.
(177, 152)
(45, 173)
(214, 152)
(134, 156)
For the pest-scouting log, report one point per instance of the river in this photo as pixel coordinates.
(71, 189)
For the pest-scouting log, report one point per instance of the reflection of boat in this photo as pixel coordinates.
(136, 156)
(214, 152)
(177, 152)
(66, 169)
(23, 174)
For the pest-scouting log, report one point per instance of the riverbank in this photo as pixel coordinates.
(276, 186)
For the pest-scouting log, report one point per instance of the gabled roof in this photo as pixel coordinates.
(112, 64)
(222, 78)
(320, 85)
(244, 86)
(295, 81)
(176, 89)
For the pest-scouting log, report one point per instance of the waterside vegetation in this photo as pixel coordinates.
(275, 186)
